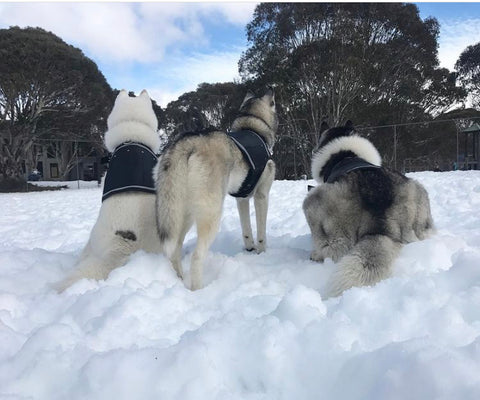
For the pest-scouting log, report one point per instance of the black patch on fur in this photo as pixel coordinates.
(127, 235)
(334, 160)
(376, 189)
(334, 133)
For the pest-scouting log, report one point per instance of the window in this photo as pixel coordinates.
(54, 170)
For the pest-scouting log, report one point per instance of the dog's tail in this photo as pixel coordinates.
(367, 263)
(171, 201)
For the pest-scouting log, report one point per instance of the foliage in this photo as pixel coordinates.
(48, 89)
(375, 63)
(468, 68)
(209, 105)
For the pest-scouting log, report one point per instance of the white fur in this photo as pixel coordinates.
(362, 147)
(132, 119)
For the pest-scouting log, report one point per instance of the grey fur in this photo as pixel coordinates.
(194, 175)
(362, 220)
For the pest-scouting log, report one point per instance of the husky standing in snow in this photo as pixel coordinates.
(197, 171)
(361, 213)
(126, 222)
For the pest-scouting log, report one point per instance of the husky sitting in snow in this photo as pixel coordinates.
(361, 213)
(126, 222)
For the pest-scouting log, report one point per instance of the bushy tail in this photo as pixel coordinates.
(367, 263)
(171, 203)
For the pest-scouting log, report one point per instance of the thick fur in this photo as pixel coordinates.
(362, 220)
(195, 173)
(126, 222)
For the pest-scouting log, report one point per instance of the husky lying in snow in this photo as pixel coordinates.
(196, 172)
(361, 213)
(126, 222)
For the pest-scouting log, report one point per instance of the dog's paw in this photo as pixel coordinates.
(261, 247)
(248, 243)
(316, 256)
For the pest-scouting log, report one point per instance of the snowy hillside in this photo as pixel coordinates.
(258, 330)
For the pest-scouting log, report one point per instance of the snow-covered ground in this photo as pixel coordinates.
(258, 330)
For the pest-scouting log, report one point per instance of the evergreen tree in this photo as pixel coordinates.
(48, 89)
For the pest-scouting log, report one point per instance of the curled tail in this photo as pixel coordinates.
(171, 188)
(367, 263)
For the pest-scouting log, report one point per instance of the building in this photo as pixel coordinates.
(472, 147)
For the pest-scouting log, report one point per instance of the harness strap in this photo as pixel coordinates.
(256, 154)
(346, 165)
(130, 169)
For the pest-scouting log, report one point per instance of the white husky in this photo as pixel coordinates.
(126, 221)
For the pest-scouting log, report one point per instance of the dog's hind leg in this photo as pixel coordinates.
(243, 205)
(261, 204)
(207, 221)
(175, 256)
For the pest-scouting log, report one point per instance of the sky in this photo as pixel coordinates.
(170, 48)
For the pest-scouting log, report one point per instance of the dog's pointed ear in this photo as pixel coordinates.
(144, 93)
(270, 92)
(248, 96)
(324, 126)
(269, 96)
(349, 125)
(122, 93)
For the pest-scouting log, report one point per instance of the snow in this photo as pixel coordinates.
(258, 330)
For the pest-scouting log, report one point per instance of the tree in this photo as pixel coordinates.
(370, 62)
(468, 68)
(209, 105)
(48, 89)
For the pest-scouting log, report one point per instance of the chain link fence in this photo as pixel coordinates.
(440, 145)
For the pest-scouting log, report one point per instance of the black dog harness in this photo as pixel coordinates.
(256, 154)
(348, 164)
(130, 170)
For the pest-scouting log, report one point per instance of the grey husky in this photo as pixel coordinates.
(361, 213)
(197, 170)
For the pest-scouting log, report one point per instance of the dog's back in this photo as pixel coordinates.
(193, 176)
(361, 218)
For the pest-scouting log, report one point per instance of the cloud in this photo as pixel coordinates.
(189, 72)
(126, 32)
(455, 36)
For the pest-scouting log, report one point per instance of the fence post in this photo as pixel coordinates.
(458, 150)
(395, 146)
(76, 156)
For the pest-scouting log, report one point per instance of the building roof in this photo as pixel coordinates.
(472, 128)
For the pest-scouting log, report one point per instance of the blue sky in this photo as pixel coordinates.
(169, 48)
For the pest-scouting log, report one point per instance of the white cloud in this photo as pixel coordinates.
(119, 32)
(103, 30)
(158, 37)
(235, 13)
(455, 36)
(190, 71)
